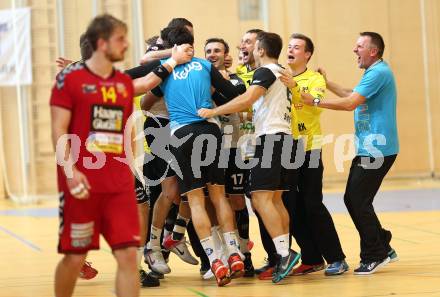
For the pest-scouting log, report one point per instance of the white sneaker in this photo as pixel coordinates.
(182, 251)
(208, 275)
(155, 260)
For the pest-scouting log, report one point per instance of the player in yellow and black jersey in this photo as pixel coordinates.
(313, 226)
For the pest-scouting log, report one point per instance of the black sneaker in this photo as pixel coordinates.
(156, 275)
(285, 265)
(205, 266)
(371, 267)
(147, 280)
(249, 270)
(393, 256)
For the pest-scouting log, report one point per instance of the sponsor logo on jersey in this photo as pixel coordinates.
(89, 89)
(107, 118)
(121, 89)
(183, 74)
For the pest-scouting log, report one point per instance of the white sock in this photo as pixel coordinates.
(231, 242)
(216, 238)
(282, 245)
(154, 242)
(139, 254)
(208, 246)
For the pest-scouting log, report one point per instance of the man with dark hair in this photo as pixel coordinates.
(182, 22)
(312, 227)
(374, 102)
(165, 52)
(236, 178)
(90, 105)
(272, 120)
(160, 178)
(188, 89)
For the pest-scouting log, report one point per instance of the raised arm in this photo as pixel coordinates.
(335, 88)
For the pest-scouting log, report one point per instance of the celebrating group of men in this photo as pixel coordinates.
(213, 139)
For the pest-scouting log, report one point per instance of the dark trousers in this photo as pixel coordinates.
(363, 183)
(313, 226)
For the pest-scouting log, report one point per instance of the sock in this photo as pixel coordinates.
(282, 244)
(216, 239)
(170, 220)
(208, 246)
(243, 244)
(180, 227)
(139, 255)
(154, 238)
(231, 242)
(242, 219)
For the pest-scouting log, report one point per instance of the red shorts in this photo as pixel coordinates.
(114, 215)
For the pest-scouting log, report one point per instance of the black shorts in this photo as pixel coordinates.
(157, 164)
(197, 157)
(270, 172)
(236, 178)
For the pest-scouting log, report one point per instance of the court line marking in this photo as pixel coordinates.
(197, 292)
(21, 239)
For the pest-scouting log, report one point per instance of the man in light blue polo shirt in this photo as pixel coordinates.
(377, 145)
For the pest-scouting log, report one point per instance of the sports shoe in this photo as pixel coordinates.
(285, 265)
(266, 274)
(179, 248)
(264, 267)
(336, 268)
(87, 271)
(249, 270)
(156, 275)
(306, 269)
(220, 272)
(147, 280)
(393, 256)
(208, 275)
(156, 262)
(371, 267)
(236, 266)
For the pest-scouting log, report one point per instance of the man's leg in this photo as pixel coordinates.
(202, 225)
(162, 206)
(127, 278)
(362, 186)
(274, 220)
(318, 218)
(300, 229)
(225, 217)
(66, 274)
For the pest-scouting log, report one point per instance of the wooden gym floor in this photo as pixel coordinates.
(412, 212)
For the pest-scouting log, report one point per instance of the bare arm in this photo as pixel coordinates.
(148, 100)
(235, 105)
(181, 54)
(348, 103)
(334, 87)
(78, 184)
(155, 55)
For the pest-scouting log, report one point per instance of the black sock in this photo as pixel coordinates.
(242, 219)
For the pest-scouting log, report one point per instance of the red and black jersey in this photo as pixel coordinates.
(100, 108)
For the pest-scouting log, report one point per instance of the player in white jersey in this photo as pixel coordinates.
(273, 170)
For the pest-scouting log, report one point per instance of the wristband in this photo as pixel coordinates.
(162, 72)
(171, 62)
